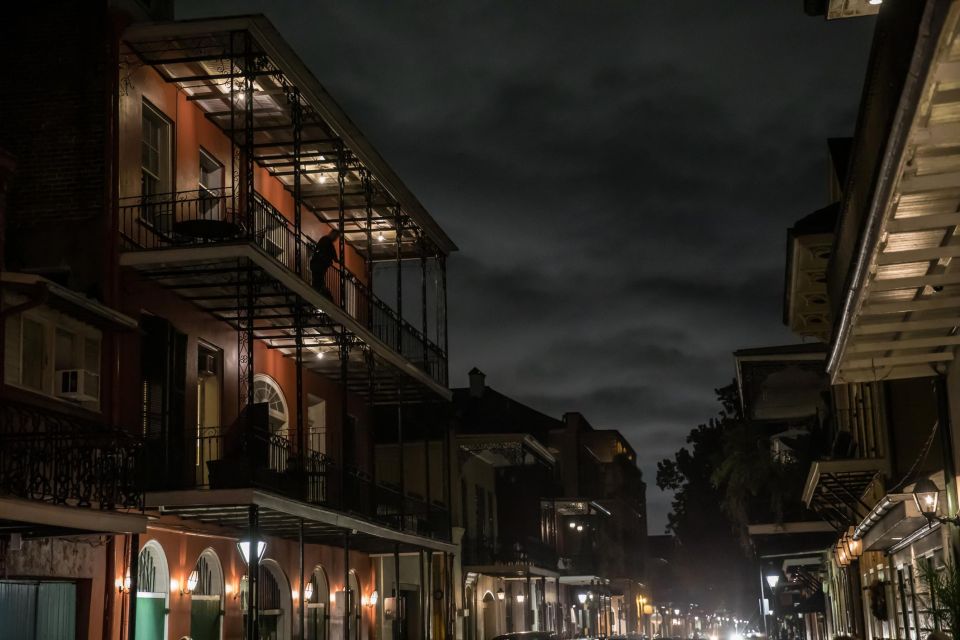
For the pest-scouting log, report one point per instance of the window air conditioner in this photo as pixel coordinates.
(78, 384)
(207, 364)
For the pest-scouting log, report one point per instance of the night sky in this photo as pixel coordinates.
(619, 177)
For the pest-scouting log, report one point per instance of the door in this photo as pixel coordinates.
(32, 610)
(489, 616)
(412, 618)
(205, 617)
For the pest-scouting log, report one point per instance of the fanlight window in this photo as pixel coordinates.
(266, 390)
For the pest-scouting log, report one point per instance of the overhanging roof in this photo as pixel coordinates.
(281, 517)
(64, 298)
(835, 488)
(901, 312)
(33, 517)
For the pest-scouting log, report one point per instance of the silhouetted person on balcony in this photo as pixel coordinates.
(324, 255)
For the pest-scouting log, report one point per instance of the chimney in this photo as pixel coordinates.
(478, 381)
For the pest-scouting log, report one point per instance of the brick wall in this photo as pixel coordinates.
(55, 99)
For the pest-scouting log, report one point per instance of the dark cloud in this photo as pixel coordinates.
(618, 174)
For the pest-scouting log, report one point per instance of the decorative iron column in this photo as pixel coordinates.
(253, 573)
(296, 116)
(347, 591)
(368, 202)
(134, 585)
(344, 352)
(245, 334)
(303, 605)
(341, 220)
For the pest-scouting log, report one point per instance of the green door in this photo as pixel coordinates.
(205, 617)
(32, 610)
(151, 616)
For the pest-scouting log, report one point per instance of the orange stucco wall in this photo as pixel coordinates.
(193, 131)
(181, 551)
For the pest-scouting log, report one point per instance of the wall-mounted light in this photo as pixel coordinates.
(244, 548)
(307, 591)
(118, 583)
(175, 586)
(501, 594)
(295, 594)
(520, 598)
(228, 589)
(192, 580)
(373, 599)
(579, 527)
(573, 524)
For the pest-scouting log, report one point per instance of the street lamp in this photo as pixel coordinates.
(244, 547)
(927, 497)
(772, 580)
(582, 597)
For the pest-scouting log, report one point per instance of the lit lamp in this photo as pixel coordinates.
(244, 547)
(372, 600)
(854, 546)
(773, 579)
(192, 581)
(582, 597)
(520, 598)
(573, 525)
(307, 591)
(927, 496)
(500, 594)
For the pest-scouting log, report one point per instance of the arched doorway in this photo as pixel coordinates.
(355, 596)
(153, 592)
(206, 599)
(489, 616)
(267, 391)
(275, 600)
(318, 605)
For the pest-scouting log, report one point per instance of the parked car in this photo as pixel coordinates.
(527, 635)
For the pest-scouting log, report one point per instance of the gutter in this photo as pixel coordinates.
(934, 15)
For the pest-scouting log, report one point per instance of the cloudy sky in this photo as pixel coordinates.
(618, 176)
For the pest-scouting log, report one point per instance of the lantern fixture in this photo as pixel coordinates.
(773, 579)
(244, 547)
(520, 598)
(501, 594)
(927, 497)
(582, 597)
(307, 591)
(192, 580)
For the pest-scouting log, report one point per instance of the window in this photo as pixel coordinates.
(53, 354)
(156, 169)
(210, 187)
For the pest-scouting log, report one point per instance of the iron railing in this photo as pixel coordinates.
(56, 458)
(254, 457)
(200, 218)
(482, 550)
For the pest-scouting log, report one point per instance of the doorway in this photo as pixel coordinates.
(317, 598)
(153, 584)
(489, 616)
(206, 599)
(38, 610)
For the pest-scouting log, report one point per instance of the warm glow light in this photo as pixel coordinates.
(380, 237)
(308, 591)
(333, 597)
(520, 598)
(244, 547)
(573, 524)
(174, 584)
(295, 594)
(500, 594)
(192, 581)
(374, 598)
(126, 581)
(228, 588)
(118, 583)
(582, 597)
(874, 2)
(579, 527)
(319, 355)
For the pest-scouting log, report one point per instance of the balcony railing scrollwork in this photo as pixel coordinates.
(49, 457)
(200, 218)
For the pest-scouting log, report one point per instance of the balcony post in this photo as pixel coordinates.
(424, 608)
(397, 620)
(302, 613)
(400, 456)
(423, 299)
(368, 202)
(134, 565)
(426, 468)
(347, 591)
(341, 213)
(253, 574)
(527, 603)
(296, 112)
(344, 416)
(246, 337)
(398, 223)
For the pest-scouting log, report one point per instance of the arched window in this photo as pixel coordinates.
(276, 601)
(206, 598)
(266, 390)
(318, 605)
(153, 587)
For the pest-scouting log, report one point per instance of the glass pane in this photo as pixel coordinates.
(66, 350)
(34, 353)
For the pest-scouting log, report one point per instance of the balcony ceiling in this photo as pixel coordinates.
(902, 315)
(197, 55)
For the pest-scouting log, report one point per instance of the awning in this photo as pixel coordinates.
(835, 488)
(894, 519)
(40, 290)
(901, 312)
(33, 518)
(281, 517)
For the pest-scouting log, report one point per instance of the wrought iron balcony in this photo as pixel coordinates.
(205, 219)
(482, 550)
(252, 457)
(54, 458)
